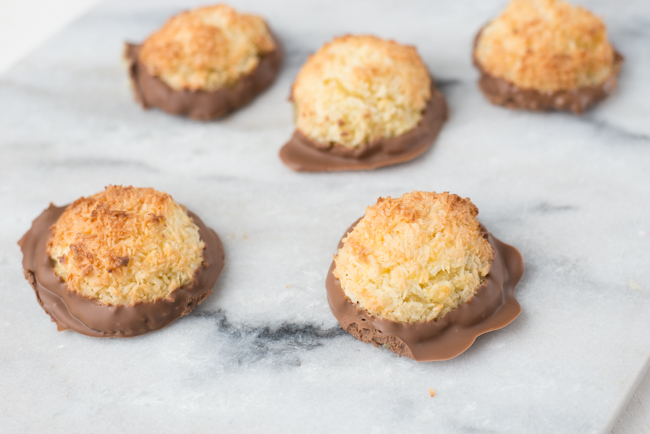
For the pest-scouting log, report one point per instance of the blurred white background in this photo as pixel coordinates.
(24, 24)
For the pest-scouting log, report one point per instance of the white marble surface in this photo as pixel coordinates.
(264, 353)
(635, 418)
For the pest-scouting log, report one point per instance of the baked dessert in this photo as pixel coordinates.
(121, 263)
(361, 102)
(420, 276)
(546, 55)
(204, 63)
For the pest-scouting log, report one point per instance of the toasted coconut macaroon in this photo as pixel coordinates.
(204, 63)
(120, 263)
(421, 276)
(546, 55)
(362, 102)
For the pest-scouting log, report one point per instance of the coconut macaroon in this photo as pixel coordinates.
(357, 89)
(414, 258)
(420, 276)
(206, 48)
(357, 93)
(121, 262)
(125, 245)
(199, 53)
(552, 55)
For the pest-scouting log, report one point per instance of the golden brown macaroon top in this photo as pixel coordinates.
(125, 245)
(546, 45)
(357, 89)
(206, 48)
(414, 258)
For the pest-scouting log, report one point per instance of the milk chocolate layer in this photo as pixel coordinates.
(302, 154)
(70, 310)
(504, 93)
(150, 91)
(492, 307)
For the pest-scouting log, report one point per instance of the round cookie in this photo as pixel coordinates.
(204, 63)
(120, 263)
(546, 55)
(421, 276)
(361, 102)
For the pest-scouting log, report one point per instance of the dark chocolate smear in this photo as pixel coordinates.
(505, 93)
(70, 310)
(302, 154)
(492, 307)
(150, 91)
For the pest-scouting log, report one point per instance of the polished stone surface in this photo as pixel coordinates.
(264, 353)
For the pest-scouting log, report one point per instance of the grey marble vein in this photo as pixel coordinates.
(281, 344)
(602, 127)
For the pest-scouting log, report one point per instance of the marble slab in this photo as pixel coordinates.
(264, 353)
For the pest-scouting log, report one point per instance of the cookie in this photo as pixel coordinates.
(546, 55)
(120, 263)
(204, 63)
(420, 276)
(362, 102)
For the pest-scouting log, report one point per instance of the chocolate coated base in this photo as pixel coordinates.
(301, 154)
(504, 93)
(70, 310)
(492, 307)
(150, 91)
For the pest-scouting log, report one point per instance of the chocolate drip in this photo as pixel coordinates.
(70, 310)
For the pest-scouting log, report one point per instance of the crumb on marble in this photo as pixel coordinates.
(634, 285)
(432, 393)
